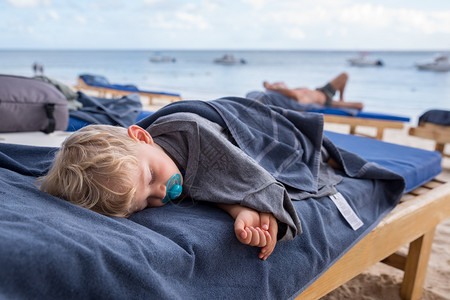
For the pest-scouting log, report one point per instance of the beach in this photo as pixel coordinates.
(396, 89)
(392, 59)
(380, 282)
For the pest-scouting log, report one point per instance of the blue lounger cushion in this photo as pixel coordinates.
(277, 99)
(417, 166)
(102, 82)
(360, 114)
(75, 123)
(52, 249)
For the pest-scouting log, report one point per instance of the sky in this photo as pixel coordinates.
(226, 24)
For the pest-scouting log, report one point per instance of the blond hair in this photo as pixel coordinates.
(93, 169)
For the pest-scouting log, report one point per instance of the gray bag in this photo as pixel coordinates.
(28, 104)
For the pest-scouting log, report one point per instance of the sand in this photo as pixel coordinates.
(383, 282)
(379, 281)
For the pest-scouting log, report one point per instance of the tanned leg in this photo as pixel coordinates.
(281, 88)
(342, 104)
(275, 86)
(339, 84)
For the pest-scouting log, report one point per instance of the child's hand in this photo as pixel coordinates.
(256, 229)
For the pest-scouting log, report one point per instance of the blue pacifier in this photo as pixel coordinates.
(173, 189)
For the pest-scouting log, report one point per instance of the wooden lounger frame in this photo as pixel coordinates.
(413, 221)
(438, 133)
(379, 124)
(103, 91)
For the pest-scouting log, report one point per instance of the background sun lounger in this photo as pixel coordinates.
(434, 125)
(117, 112)
(351, 117)
(88, 254)
(101, 85)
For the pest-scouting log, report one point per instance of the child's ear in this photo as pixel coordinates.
(139, 134)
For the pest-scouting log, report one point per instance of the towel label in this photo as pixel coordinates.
(346, 211)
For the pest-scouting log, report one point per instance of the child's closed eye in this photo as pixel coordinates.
(152, 179)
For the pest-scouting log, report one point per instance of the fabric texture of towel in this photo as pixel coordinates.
(122, 112)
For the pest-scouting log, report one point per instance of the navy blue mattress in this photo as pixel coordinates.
(77, 123)
(436, 116)
(102, 82)
(52, 249)
(417, 166)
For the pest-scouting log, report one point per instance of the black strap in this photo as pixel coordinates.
(49, 109)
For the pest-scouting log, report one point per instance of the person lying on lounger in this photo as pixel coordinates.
(322, 96)
(205, 150)
(117, 172)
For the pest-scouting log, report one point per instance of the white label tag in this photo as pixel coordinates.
(346, 211)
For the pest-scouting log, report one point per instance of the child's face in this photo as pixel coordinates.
(155, 168)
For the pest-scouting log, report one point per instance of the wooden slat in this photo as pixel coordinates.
(416, 266)
(355, 121)
(433, 184)
(379, 124)
(419, 191)
(412, 220)
(407, 197)
(395, 260)
(102, 92)
(439, 133)
(432, 132)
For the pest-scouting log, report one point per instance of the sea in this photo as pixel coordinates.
(397, 87)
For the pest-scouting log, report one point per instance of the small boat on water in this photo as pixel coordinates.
(439, 63)
(363, 61)
(160, 58)
(229, 59)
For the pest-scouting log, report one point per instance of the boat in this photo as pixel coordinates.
(363, 61)
(229, 59)
(160, 58)
(439, 63)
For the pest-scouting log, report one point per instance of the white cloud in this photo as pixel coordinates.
(316, 19)
(151, 2)
(178, 21)
(426, 22)
(30, 31)
(256, 4)
(313, 16)
(54, 15)
(80, 19)
(244, 23)
(159, 21)
(410, 20)
(29, 3)
(210, 6)
(295, 33)
(191, 20)
(365, 14)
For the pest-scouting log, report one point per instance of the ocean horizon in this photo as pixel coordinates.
(397, 87)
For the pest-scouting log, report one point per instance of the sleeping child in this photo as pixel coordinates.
(250, 159)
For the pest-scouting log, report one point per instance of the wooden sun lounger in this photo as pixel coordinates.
(103, 91)
(438, 133)
(379, 124)
(412, 222)
(366, 120)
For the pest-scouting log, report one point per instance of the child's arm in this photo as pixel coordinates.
(254, 228)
